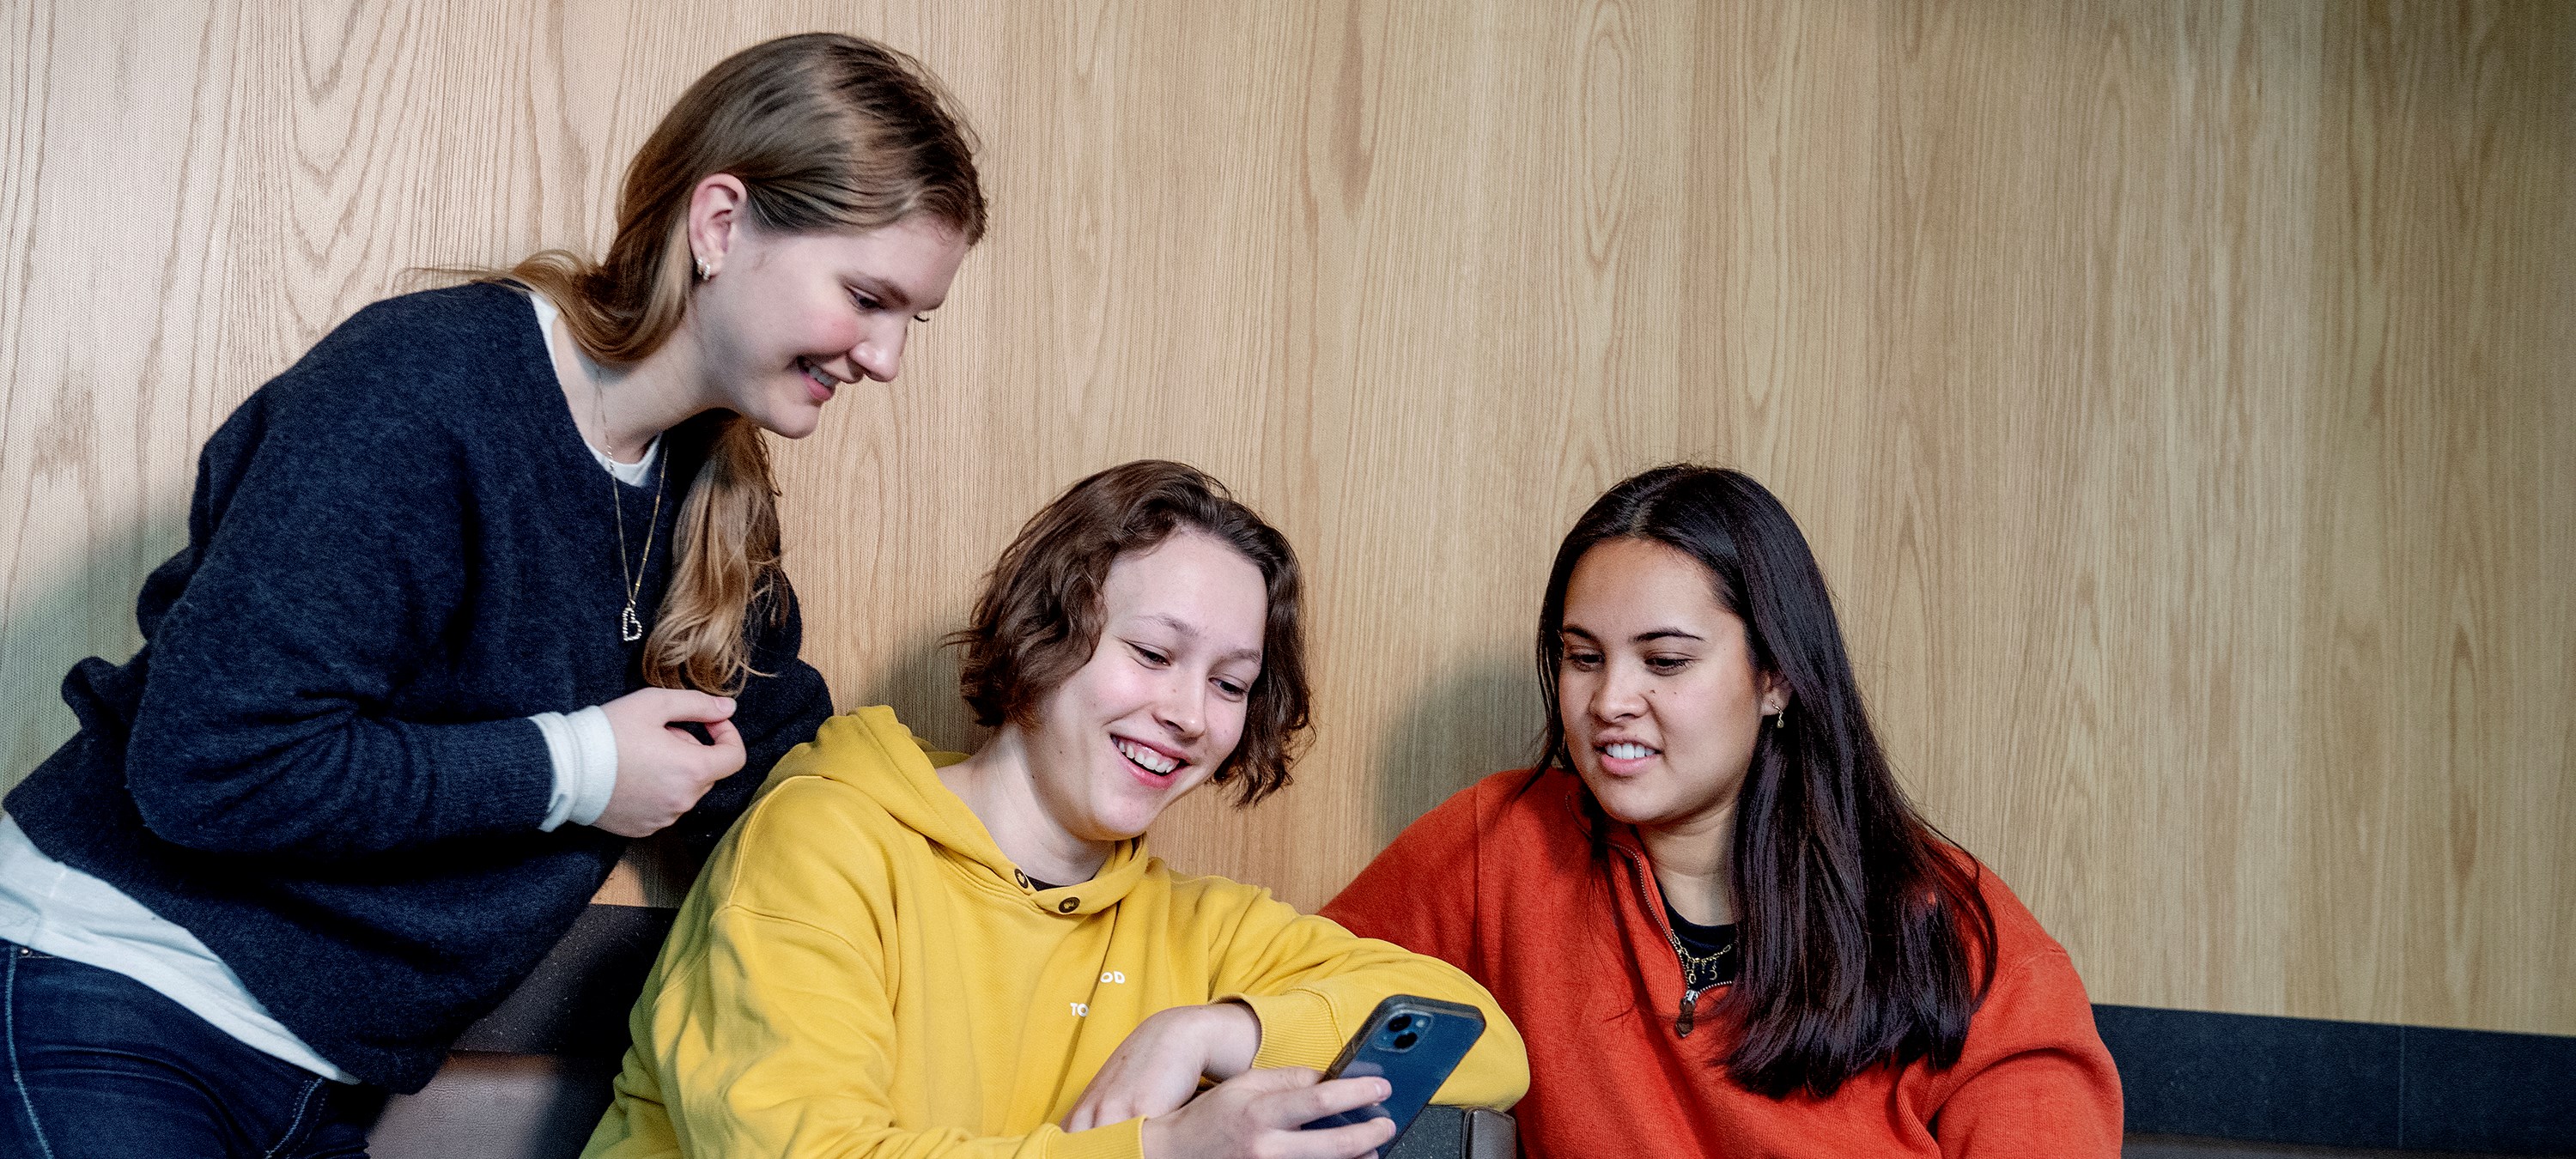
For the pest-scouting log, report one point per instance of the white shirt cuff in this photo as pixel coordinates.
(583, 751)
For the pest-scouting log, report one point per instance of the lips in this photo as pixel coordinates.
(1151, 763)
(1621, 758)
(818, 383)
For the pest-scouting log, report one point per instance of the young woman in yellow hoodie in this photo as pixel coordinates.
(900, 952)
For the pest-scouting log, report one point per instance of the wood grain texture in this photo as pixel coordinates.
(2176, 393)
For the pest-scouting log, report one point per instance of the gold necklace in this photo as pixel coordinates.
(1694, 966)
(630, 627)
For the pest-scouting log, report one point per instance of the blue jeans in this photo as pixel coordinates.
(100, 1066)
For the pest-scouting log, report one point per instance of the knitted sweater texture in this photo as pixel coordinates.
(1502, 882)
(320, 762)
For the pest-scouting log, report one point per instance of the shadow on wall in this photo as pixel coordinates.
(87, 611)
(920, 683)
(1483, 717)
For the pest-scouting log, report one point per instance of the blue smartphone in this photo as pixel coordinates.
(1412, 1043)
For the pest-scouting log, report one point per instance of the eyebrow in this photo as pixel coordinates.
(1189, 631)
(1641, 637)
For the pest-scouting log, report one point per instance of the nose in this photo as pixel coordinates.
(1183, 708)
(879, 354)
(1619, 695)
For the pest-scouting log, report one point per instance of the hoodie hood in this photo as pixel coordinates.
(869, 750)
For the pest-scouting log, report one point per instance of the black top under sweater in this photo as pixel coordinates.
(320, 762)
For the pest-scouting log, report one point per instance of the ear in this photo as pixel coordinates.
(1775, 693)
(716, 216)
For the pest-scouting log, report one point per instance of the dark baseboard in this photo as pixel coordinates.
(2342, 1084)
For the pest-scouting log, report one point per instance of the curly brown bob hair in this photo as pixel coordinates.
(1038, 618)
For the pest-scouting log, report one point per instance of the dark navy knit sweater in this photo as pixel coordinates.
(320, 762)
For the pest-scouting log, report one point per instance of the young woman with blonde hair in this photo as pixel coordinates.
(482, 587)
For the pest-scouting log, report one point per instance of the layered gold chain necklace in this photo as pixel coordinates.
(1696, 967)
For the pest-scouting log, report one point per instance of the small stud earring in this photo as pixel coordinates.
(703, 272)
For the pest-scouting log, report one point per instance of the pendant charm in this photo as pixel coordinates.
(629, 628)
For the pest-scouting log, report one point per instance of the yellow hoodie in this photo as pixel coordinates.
(861, 972)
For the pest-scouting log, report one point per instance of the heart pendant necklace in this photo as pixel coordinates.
(630, 627)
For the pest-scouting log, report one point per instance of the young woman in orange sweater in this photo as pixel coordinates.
(1710, 910)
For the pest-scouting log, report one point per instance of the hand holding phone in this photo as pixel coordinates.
(1412, 1043)
(1259, 1112)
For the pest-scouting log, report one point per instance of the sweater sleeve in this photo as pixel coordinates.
(2034, 1078)
(1420, 891)
(1313, 984)
(326, 549)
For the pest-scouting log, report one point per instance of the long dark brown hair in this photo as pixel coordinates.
(1864, 936)
(827, 133)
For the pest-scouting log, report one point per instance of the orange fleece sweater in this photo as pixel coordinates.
(1501, 882)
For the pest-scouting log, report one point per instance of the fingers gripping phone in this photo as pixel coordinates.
(1412, 1043)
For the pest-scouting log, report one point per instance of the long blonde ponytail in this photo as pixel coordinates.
(826, 133)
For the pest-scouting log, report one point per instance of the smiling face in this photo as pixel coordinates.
(1160, 704)
(790, 318)
(1657, 690)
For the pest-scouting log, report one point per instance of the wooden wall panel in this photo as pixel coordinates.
(2454, 282)
(2175, 393)
(2124, 434)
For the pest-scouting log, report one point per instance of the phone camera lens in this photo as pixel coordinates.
(1399, 1022)
(1406, 1040)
